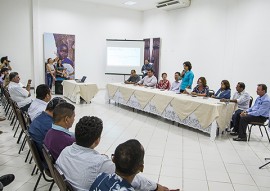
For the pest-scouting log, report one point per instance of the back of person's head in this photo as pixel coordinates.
(242, 85)
(4, 69)
(88, 130)
(62, 110)
(54, 102)
(128, 157)
(264, 87)
(42, 91)
(12, 75)
(188, 64)
(3, 59)
(203, 80)
(226, 84)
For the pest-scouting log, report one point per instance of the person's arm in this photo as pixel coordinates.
(50, 71)
(190, 81)
(152, 82)
(264, 108)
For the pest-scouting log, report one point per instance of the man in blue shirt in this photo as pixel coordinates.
(42, 123)
(147, 66)
(259, 112)
(128, 160)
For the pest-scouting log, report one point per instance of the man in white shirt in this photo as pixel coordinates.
(242, 99)
(43, 96)
(81, 164)
(176, 84)
(149, 81)
(19, 94)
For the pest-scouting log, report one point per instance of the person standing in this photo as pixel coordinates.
(50, 72)
(187, 77)
(147, 66)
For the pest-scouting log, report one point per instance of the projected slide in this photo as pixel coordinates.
(123, 56)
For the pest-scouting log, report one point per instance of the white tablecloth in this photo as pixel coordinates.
(204, 114)
(73, 91)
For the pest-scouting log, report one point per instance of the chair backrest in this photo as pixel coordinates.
(27, 120)
(250, 101)
(21, 119)
(61, 180)
(49, 160)
(210, 93)
(34, 151)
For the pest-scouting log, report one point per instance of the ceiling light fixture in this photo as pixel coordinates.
(130, 3)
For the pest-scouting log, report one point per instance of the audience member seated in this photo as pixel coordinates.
(242, 99)
(4, 76)
(201, 89)
(259, 112)
(19, 94)
(59, 137)
(133, 79)
(43, 123)
(149, 81)
(43, 96)
(5, 63)
(224, 91)
(128, 160)
(187, 77)
(6, 180)
(176, 84)
(81, 164)
(147, 66)
(164, 84)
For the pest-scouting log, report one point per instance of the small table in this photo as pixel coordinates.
(74, 91)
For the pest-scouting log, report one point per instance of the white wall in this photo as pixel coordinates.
(16, 36)
(92, 24)
(224, 39)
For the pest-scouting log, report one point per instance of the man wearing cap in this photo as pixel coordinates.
(5, 63)
(19, 94)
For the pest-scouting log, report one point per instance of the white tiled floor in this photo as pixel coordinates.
(177, 157)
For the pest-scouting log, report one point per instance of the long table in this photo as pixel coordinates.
(205, 114)
(73, 91)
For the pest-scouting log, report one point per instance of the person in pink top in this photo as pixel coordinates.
(164, 83)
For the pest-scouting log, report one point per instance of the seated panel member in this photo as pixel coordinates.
(149, 81)
(147, 66)
(43, 96)
(176, 84)
(224, 91)
(133, 78)
(242, 99)
(128, 160)
(164, 83)
(59, 137)
(201, 89)
(81, 163)
(259, 112)
(19, 94)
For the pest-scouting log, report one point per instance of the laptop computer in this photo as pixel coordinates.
(81, 80)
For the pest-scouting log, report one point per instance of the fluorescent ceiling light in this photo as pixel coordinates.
(130, 3)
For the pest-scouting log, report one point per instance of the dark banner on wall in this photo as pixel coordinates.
(152, 53)
(59, 57)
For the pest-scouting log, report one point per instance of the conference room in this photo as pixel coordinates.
(186, 139)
